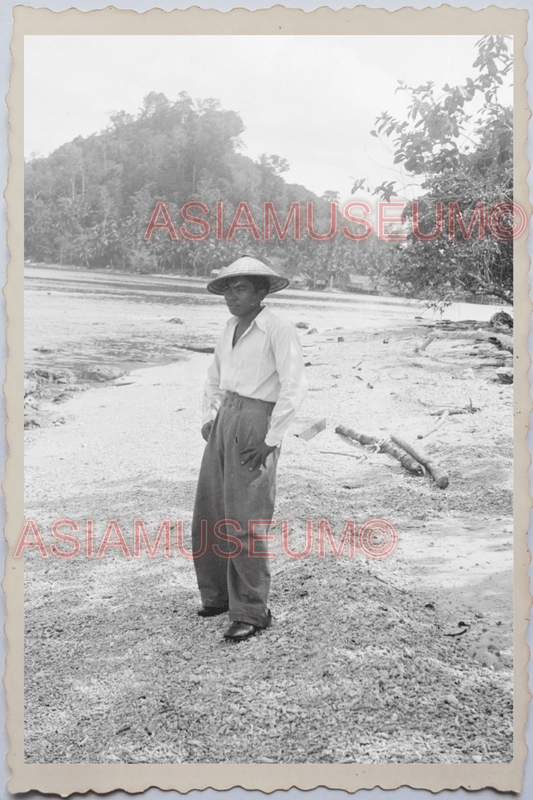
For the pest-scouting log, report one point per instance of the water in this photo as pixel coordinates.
(86, 318)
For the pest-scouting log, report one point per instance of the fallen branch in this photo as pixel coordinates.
(383, 446)
(435, 427)
(339, 453)
(425, 343)
(452, 411)
(440, 477)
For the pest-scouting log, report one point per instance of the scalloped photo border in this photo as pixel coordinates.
(277, 21)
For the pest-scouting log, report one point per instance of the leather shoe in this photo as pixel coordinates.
(238, 631)
(211, 611)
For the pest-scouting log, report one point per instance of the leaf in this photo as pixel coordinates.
(373, 133)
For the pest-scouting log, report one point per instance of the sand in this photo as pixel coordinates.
(130, 449)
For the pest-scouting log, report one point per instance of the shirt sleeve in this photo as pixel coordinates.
(213, 394)
(291, 372)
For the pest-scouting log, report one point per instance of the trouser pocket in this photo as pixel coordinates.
(252, 428)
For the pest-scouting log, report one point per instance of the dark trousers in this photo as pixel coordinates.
(231, 567)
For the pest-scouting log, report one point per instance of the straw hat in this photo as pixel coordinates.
(249, 267)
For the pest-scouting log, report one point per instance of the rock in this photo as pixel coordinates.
(39, 377)
(467, 374)
(501, 321)
(30, 386)
(487, 656)
(504, 374)
(502, 342)
(101, 374)
(302, 325)
(63, 376)
(176, 320)
(452, 699)
(43, 349)
(313, 330)
(197, 348)
(36, 419)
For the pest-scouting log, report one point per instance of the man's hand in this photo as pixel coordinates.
(206, 429)
(254, 456)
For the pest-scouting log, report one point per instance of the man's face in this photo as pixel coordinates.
(241, 296)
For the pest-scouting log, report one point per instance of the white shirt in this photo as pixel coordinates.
(265, 364)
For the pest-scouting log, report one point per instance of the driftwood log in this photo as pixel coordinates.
(407, 462)
(438, 475)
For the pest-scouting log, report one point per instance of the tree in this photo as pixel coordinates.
(464, 156)
(89, 202)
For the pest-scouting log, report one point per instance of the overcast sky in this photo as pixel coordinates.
(312, 100)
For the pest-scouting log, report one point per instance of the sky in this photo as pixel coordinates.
(312, 100)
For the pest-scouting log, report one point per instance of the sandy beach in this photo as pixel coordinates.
(402, 659)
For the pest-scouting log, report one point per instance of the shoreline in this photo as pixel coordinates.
(187, 282)
(57, 368)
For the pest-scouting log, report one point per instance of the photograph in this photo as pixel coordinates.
(269, 294)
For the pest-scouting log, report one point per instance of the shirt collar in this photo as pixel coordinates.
(261, 320)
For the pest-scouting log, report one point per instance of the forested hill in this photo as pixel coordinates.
(169, 191)
(89, 203)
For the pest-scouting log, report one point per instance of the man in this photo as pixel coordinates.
(255, 385)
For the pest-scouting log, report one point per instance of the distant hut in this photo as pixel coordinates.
(300, 281)
(362, 284)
